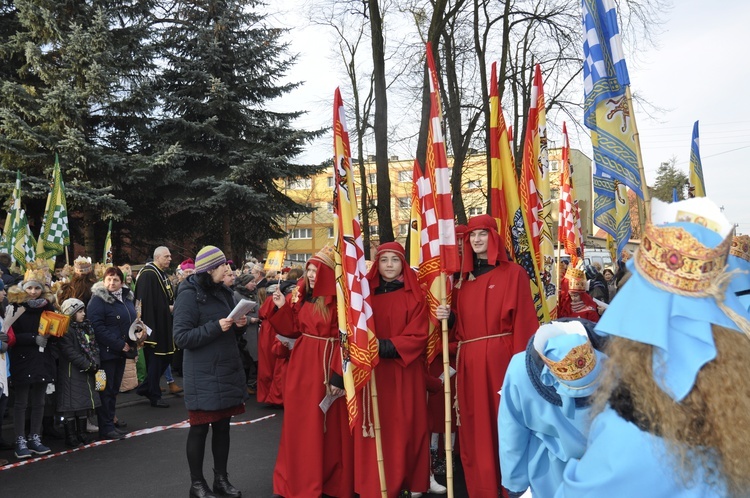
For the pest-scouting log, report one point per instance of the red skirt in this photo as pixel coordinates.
(201, 417)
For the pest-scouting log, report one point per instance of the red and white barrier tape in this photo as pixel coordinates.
(151, 430)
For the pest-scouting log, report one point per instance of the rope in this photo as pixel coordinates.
(327, 359)
(458, 356)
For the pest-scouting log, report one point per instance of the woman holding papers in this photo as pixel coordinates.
(400, 311)
(316, 450)
(212, 370)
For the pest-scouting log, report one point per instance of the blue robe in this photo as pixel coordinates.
(536, 438)
(623, 461)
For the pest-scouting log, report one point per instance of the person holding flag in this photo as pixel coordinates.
(314, 375)
(401, 321)
(494, 319)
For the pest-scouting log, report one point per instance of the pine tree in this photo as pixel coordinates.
(669, 177)
(77, 88)
(224, 63)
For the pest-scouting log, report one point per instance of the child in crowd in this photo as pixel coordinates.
(78, 363)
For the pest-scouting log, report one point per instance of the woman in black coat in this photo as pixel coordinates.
(212, 369)
(32, 364)
(111, 312)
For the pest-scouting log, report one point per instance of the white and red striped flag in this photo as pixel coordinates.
(567, 231)
(359, 346)
(438, 237)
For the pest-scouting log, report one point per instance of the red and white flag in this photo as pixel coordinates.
(568, 221)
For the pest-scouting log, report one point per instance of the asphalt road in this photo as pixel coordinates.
(151, 462)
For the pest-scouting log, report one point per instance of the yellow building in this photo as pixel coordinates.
(309, 232)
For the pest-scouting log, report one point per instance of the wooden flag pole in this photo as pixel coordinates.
(557, 269)
(378, 440)
(447, 392)
(639, 158)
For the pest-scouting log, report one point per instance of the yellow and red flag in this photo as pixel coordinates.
(568, 220)
(498, 207)
(359, 346)
(438, 235)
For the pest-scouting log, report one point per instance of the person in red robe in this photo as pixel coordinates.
(401, 325)
(316, 449)
(574, 300)
(273, 357)
(494, 319)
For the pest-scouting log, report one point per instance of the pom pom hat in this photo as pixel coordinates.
(208, 258)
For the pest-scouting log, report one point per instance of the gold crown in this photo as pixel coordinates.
(35, 275)
(327, 256)
(578, 363)
(741, 247)
(673, 257)
(576, 279)
(82, 265)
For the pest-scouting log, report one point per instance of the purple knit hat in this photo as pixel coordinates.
(208, 258)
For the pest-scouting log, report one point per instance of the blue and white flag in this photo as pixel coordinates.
(607, 111)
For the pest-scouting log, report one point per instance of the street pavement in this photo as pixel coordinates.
(151, 462)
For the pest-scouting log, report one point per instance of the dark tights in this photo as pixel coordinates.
(24, 393)
(196, 447)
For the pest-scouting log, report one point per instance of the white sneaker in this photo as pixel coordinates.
(415, 495)
(435, 487)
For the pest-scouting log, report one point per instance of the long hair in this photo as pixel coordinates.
(710, 428)
(319, 303)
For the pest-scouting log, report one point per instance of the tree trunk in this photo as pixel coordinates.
(385, 225)
(226, 232)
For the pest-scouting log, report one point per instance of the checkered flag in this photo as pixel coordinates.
(55, 234)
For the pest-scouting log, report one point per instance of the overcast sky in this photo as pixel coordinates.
(699, 71)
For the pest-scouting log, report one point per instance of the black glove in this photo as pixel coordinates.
(131, 353)
(41, 340)
(4, 337)
(336, 380)
(386, 349)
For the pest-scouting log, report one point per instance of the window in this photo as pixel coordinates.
(302, 256)
(554, 194)
(358, 190)
(330, 182)
(403, 230)
(475, 184)
(372, 178)
(404, 176)
(404, 202)
(330, 232)
(299, 184)
(475, 211)
(554, 165)
(373, 230)
(329, 207)
(301, 233)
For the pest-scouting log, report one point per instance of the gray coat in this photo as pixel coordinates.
(212, 371)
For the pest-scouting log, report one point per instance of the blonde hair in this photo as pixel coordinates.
(710, 428)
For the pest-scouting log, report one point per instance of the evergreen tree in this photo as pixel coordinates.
(668, 177)
(224, 64)
(79, 87)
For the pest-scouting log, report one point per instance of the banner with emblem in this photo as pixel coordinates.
(55, 233)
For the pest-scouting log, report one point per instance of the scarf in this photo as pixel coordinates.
(117, 294)
(37, 303)
(84, 332)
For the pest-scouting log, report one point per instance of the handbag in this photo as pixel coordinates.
(100, 380)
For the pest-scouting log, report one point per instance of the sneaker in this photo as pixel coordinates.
(435, 487)
(22, 451)
(35, 445)
(91, 427)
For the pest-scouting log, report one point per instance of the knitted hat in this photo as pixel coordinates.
(188, 264)
(208, 258)
(244, 279)
(82, 265)
(678, 290)
(71, 306)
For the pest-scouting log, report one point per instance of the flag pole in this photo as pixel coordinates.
(378, 440)
(447, 392)
(557, 267)
(641, 169)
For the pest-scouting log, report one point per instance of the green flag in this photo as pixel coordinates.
(107, 256)
(22, 240)
(55, 234)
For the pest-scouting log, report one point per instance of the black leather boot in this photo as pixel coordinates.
(71, 438)
(81, 430)
(200, 489)
(222, 486)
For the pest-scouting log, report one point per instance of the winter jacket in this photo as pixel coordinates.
(28, 365)
(79, 360)
(211, 368)
(111, 320)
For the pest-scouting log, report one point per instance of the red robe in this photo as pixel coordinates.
(496, 302)
(589, 311)
(316, 450)
(270, 369)
(282, 353)
(400, 316)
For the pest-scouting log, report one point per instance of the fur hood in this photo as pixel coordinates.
(16, 295)
(98, 290)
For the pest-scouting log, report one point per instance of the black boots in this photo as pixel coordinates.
(81, 430)
(200, 489)
(222, 486)
(71, 434)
